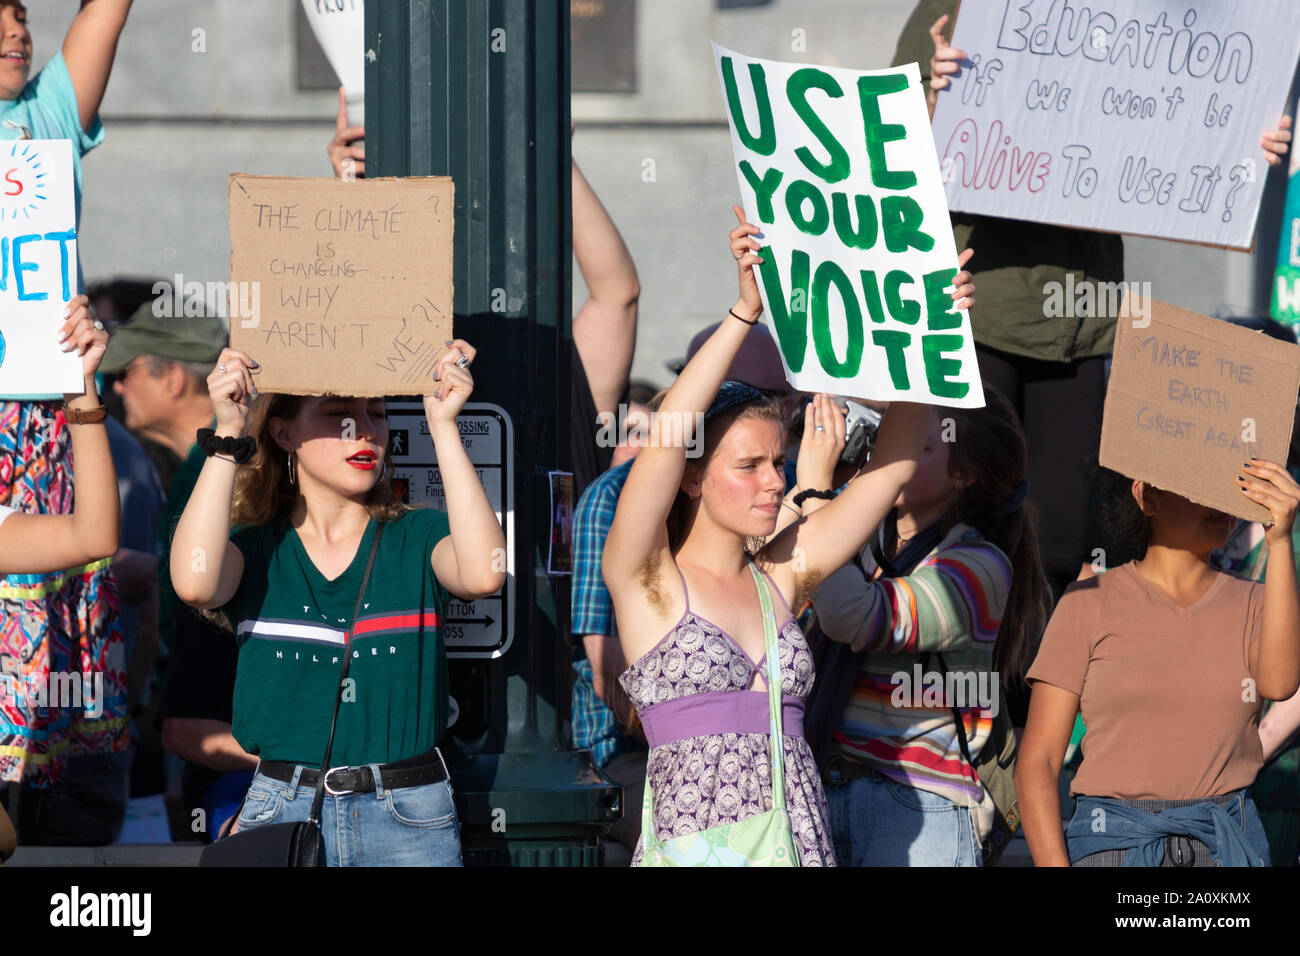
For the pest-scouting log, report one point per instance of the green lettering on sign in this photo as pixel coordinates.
(789, 317)
(864, 236)
(796, 90)
(765, 142)
(878, 133)
(894, 342)
(764, 189)
(908, 312)
(795, 194)
(900, 221)
(939, 304)
(938, 370)
(829, 273)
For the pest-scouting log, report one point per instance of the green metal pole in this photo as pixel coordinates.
(479, 91)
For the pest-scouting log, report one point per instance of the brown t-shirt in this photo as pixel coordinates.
(1166, 692)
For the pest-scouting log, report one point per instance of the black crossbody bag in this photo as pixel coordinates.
(294, 844)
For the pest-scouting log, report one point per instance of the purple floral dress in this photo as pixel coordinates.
(713, 779)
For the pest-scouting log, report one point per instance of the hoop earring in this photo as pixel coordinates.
(293, 472)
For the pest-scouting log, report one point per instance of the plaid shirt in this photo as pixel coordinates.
(595, 727)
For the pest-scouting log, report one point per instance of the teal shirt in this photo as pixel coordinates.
(290, 623)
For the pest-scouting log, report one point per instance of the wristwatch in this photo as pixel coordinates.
(85, 416)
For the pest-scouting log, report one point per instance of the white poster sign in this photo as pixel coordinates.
(838, 168)
(38, 267)
(1134, 116)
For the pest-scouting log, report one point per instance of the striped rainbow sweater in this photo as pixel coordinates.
(952, 603)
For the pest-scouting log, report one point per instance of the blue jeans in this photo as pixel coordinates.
(876, 821)
(414, 826)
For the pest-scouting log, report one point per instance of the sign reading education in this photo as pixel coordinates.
(838, 169)
(1135, 116)
(353, 280)
(38, 267)
(1190, 398)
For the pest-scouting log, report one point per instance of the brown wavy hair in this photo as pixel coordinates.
(990, 445)
(263, 494)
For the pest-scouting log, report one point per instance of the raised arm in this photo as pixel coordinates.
(89, 49)
(470, 561)
(204, 528)
(604, 330)
(39, 544)
(1276, 663)
(638, 533)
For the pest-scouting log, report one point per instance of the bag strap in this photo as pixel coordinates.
(956, 717)
(773, 688)
(318, 799)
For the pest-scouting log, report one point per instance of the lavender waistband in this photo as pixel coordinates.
(718, 712)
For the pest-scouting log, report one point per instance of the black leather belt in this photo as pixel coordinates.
(412, 772)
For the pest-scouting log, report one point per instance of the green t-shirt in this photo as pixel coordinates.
(291, 622)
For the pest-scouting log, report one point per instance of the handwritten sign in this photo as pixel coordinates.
(353, 282)
(1190, 398)
(1137, 116)
(856, 238)
(38, 267)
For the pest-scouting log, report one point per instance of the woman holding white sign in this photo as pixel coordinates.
(682, 565)
(336, 592)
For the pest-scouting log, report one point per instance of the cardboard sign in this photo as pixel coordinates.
(1137, 116)
(838, 168)
(1190, 398)
(38, 267)
(353, 281)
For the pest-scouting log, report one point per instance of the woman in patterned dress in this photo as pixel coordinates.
(677, 566)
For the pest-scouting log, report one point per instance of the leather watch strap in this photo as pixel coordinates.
(84, 416)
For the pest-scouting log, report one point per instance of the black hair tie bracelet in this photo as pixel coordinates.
(240, 449)
(803, 496)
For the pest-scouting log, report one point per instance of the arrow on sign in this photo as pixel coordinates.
(484, 620)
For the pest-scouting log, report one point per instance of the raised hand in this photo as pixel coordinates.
(346, 150)
(944, 65)
(1276, 142)
(1267, 483)
(744, 249)
(963, 285)
(822, 443)
(231, 388)
(455, 383)
(79, 332)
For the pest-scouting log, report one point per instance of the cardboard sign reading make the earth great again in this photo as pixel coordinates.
(1190, 398)
(353, 282)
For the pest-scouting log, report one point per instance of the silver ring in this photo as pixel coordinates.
(221, 367)
(99, 326)
(464, 362)
(820, 428)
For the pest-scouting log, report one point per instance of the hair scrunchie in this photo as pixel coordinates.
(240, 449)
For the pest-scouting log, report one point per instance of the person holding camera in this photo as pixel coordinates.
(946, 595)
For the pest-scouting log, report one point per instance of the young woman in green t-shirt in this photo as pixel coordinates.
(307, 506)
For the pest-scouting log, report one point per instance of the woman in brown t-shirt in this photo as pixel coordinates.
(1168, 660)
